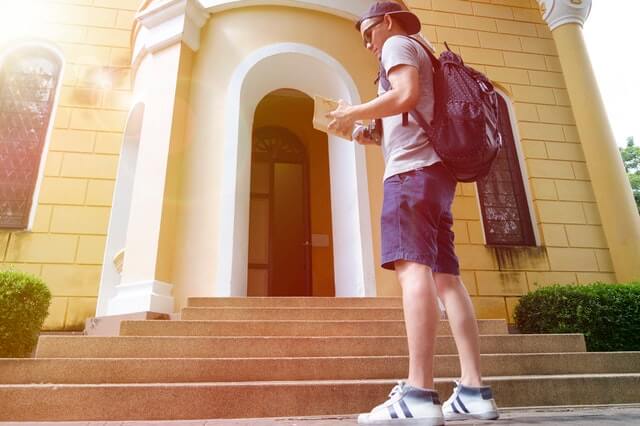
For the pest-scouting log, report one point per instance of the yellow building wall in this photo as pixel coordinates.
(509, 41)
(506, 39)
(233, 35)
(66, 245)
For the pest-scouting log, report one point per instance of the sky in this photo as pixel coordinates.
(613, 40)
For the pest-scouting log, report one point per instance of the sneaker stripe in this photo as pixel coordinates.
(453, 406)
(398, 409)
(459, 401)
(392, 412)
(405, 409)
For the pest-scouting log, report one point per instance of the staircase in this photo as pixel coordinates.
(276, 357)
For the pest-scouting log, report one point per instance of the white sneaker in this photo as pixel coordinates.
(470, 403)
(406, 405)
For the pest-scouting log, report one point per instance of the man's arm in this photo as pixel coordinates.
(402, 97)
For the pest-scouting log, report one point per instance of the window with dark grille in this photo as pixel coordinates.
(28, 81)
(503, 200)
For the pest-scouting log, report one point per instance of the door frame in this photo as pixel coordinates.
(314, 72)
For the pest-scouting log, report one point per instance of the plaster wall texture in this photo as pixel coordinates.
(506, 39)
(65, 245)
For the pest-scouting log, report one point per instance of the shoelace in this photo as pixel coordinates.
(397, 388)
(456, 388)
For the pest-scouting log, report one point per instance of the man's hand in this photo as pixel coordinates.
(403, 97)
(343, 120)
(362, 136)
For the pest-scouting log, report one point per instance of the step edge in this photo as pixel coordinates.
(298, 383)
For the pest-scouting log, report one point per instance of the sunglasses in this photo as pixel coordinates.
(366, 35)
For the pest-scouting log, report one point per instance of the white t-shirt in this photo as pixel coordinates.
(407, 148)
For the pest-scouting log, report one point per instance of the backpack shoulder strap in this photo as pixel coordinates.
(386, 85)
(435, 62)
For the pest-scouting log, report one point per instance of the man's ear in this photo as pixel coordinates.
(388, 22)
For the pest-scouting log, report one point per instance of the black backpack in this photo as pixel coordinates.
(464, 131)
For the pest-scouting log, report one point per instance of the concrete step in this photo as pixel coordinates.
(145, 370)
(182, 401)
(293, 302)
(277, 347)
(287, 328)
(307, 313)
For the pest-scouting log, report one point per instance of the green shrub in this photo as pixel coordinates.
(607, 314)
(24, 305)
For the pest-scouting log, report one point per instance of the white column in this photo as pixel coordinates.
(166, 29)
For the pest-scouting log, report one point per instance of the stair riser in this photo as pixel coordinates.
(292, 302)
(286, 328)
(96, 371)
(299, 314)
(273, 347)
(207, 401)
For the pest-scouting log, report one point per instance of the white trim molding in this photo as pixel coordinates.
(561, 12)
(314, 72)
(166, 23)
(351, 9)
(144, 296)
(517, 141)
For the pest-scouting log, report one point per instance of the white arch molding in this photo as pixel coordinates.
(523, 164)
(166, 22)
(314, 72)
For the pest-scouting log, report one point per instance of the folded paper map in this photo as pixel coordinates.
(323, 106)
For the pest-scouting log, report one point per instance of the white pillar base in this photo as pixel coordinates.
(144, 296)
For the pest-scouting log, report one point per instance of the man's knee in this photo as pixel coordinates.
(447, 280)
(409, 266)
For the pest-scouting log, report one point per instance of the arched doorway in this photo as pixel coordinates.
(310, 71)
(290, 223)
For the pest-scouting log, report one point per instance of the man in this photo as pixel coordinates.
(417, 240)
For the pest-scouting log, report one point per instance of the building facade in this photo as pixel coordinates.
(161, 149)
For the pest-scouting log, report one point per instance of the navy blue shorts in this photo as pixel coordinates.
(417, 220)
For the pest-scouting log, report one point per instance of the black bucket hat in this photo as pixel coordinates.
(409, 21)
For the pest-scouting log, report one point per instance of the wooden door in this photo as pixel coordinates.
(279, 227)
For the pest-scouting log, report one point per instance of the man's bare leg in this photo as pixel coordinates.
(421, 316)
(464, 326)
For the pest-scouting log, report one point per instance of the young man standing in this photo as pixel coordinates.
(417, 240)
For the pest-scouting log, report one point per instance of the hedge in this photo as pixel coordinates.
(607, 314)
(24, 305)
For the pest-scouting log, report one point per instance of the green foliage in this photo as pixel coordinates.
(631, 158)
(24, 305)
(607, 314)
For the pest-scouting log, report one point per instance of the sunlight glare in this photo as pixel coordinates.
(19, 18)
